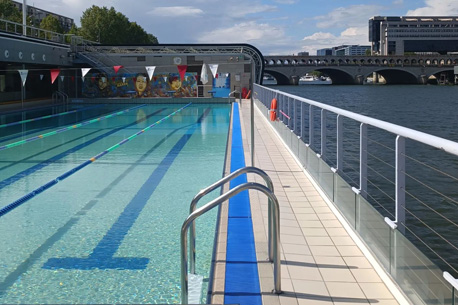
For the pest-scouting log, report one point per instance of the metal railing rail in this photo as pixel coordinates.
(59, 96)
(210, 205)
(31, 31)
(207, 190)
(288, 113)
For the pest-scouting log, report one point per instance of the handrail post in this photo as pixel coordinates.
(339, 143)
(210, 205)
(400, 183)
(311, 126)
(323, 133)
(363, 160)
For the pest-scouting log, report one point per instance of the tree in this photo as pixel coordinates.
(110, 27)
(9, 12)
(52, 24)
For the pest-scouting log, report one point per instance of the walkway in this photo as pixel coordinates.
(322, 262)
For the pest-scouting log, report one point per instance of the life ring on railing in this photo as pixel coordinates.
(273, 109)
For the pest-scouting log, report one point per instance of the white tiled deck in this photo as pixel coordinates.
(322, 263)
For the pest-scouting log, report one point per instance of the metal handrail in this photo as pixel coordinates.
(57, 95)
(207, 207)
(433, 141)
(207, 190)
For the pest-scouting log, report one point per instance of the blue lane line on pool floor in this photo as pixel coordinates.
(31, 170)
(242, 280)
(102, 255)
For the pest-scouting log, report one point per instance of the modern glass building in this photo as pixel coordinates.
(398, 35)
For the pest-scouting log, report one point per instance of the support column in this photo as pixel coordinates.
(294, 80)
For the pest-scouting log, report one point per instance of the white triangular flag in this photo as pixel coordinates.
(165, 78)
(213, 68)
(123, 79)
(204, 74)
(23, 74)
(227, 74)
(62, 78)
(150, 70)
(84, 71)
(41, 76)
(104, 79)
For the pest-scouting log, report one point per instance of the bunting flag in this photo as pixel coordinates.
(150, 70)
(104, 79)
(72, 78)
(204, 74)
(61, 78)
(116, 68)
(182, 70)
(41, 76)
(54, 74)
(123, 79)
(165, 78)
(84, 71)
(213, 68)
(23, 74)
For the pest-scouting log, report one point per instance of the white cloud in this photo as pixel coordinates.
(351, 16)
(249, 32)
(286, 1)
(436, 8)
(175, 11)
(398, 2)
(321, 40)
(238, 10)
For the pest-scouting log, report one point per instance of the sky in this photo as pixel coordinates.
(275, 27)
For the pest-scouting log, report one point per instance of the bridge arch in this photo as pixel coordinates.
(337, 76)
(396, 76)
(281, 78)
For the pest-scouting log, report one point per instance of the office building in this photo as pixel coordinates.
(398, 35)
(38, 15)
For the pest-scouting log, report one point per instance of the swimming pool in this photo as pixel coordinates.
(109, 231)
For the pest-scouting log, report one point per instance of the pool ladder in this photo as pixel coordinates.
(273, 223)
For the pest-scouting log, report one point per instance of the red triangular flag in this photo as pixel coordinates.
(54, 74)
(116, 68)
(73, 78)
(182, 70)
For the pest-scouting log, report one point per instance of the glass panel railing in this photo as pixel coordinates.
(418, 277)
(374, 231)
(345, 199)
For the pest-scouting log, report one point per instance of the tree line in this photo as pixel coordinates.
(98, 24)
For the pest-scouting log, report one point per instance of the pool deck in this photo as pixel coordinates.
(322, 260)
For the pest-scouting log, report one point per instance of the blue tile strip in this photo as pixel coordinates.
(242, 280)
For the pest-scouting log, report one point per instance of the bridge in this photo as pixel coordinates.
(414, 69)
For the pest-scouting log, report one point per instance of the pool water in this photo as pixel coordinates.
(109, 233)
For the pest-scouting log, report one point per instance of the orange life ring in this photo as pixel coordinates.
(273, 109)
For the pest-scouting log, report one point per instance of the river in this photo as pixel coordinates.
(432, 203)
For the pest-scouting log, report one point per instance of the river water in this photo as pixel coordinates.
(432, 175)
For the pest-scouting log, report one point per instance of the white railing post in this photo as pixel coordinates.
(302, 121)
(363, 160)
(400, 183)
(323, 133)
(339, 143)
(311, 126)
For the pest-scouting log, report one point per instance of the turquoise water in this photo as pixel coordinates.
(109, 233)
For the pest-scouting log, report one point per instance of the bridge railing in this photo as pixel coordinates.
(395, 186)
(390, 61)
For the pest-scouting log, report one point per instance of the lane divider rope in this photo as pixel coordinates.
(51, 133)
(65, 175)
(47, 116)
